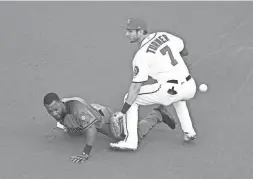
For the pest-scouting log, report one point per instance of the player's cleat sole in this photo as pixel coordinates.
(122, 145)
(188, 137)
(167, 118)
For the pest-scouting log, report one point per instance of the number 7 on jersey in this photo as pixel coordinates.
(164, 51)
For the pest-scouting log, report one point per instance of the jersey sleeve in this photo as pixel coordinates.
(140, 68)
(177, 42)
(85, 116)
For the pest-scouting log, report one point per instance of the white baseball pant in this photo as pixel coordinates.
(158, 94)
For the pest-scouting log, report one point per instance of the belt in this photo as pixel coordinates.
(101, 112)
(176, 81)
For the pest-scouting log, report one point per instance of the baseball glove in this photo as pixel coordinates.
(116, 126)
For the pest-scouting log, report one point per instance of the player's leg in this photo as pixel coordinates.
(148, 123)
(147, 96)
(159, 115)
(165, 94)
(185, 120)
(187, 92)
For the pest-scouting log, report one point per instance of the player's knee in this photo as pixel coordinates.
(157, 116)
(144, 126)
(143, 129)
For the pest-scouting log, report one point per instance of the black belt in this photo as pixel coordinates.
(101, 112)
(176, 81)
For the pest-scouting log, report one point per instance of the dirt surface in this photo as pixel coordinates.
(79, 49)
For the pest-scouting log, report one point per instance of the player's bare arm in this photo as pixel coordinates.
(133, 92)
(87, 115)
(90, 135)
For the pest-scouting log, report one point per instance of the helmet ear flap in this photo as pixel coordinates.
(141, 31)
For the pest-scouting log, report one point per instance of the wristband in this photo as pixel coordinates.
(87, 149)
(125, 108)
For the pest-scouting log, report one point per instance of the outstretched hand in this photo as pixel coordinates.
(79, 158)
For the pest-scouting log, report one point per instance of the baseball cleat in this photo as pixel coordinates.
(188, 137)
(123, 145)
(167, 118)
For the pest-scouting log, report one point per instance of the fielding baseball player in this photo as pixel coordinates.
(160, 57)
(76, 115)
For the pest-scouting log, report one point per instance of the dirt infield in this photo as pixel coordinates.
(78, 49)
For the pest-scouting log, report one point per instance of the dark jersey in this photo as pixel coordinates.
(81, 115)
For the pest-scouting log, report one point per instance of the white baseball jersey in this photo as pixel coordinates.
(159, 57)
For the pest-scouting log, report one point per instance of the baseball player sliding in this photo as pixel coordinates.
(160, 57)
(76, 115)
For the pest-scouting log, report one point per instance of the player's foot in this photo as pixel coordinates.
(123, 145)
(188, 136)
(167, 118)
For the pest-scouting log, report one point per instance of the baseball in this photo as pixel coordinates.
(203, 87)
